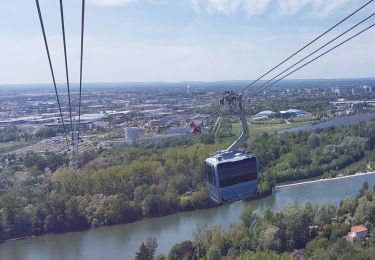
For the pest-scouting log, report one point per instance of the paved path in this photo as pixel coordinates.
(322, 180)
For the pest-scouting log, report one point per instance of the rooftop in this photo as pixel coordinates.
(358, 229)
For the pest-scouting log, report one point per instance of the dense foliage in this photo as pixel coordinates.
(42, 194)
(36, 202)
(319, 229)
(295, 156)
(9, 134)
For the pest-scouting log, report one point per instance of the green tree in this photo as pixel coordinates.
(151, 245)
(270, 239)
(147, 250)
(184, 250)
(142, 253)
(213, 253)
(249, 216)
(206, 138)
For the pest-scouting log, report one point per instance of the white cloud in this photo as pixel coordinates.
(195, 5)
(158, 2)
(324, 8)
(225, 7)
(255, 7)
(320, 8)
(125, 2)
(111, 2)
(291, 7)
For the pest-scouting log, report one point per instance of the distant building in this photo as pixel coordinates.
(93, 117)
(131, 133)
(357, 233)
(362, 90)
(261, 118)
(202, 117)
(367, 89)
(264, 115)
(340, 91)
(292, 113)
(188, 92)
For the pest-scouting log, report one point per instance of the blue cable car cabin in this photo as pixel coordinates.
(231, 176)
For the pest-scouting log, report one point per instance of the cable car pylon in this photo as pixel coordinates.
(232, 174)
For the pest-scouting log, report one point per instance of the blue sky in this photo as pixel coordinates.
(178, 40)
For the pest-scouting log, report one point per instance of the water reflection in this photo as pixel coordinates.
(341, 121)
(121, 241)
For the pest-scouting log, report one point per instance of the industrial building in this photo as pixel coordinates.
(131, 133)
(264, 115)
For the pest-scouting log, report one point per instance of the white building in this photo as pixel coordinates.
(292, 112)
(260, 118)
(367, 89)
(264, 115)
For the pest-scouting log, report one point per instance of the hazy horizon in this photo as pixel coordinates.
(76, 84)
(174, 41)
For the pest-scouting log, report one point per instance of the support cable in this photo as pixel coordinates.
(80, 71)
(51, 68)
(255, 90)
(308, 44)
(305, 46)
(321, 55)
(66, 63)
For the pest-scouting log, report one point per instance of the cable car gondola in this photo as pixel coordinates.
(232, 174)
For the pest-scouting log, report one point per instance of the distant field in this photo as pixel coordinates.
(14, 145)
(272, 125)
(262, 128)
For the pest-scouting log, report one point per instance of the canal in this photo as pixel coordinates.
(121, 241)
(339, 121)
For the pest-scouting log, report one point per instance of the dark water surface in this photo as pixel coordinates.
(121, 241)
(341, 121)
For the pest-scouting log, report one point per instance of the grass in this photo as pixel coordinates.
(272, 125)
(262, 128)
(358, 166)
(13, 145)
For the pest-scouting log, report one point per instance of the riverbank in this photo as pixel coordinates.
(283, 186)
(336, 122)
(110, 242)
(208, 205)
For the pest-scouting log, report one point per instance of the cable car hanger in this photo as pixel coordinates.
(232, 174)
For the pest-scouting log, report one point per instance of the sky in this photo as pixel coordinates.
(179, 40)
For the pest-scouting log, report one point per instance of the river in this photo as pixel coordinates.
(340, 121)
(121, 241)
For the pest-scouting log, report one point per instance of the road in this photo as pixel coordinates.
(322, 180)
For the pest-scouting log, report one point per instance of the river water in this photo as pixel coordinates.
(340, 121)
(121, 241)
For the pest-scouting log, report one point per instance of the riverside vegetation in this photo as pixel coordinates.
(41, 194)
(319, 230)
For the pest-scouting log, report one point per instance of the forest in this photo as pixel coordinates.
(320, 230)
(43, 194)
